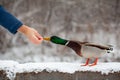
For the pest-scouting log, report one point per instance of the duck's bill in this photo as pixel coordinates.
(46, 38)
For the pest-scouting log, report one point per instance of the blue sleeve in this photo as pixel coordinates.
(8, 21)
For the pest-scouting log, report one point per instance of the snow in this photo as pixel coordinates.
(12, 67)
(9, 67)
(66, 67)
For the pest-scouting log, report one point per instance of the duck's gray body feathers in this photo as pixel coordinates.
(88, 50)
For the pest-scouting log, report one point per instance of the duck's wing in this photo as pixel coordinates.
(98, 46)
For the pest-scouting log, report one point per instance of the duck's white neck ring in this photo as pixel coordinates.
(67, 43)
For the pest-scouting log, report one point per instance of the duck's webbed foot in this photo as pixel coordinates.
(95, 62)
(87, 62)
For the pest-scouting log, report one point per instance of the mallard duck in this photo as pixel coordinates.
(84, 49)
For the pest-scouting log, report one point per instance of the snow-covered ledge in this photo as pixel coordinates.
(11, 70)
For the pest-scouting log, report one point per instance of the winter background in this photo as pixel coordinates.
(84, 20)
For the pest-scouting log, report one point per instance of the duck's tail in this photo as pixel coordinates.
(110, 49)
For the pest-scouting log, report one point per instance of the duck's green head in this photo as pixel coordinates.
(56, 40)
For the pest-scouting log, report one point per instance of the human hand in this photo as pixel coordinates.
(31, 34)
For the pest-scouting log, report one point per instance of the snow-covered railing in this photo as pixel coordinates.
(10, 70)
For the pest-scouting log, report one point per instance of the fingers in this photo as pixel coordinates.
(38, 36)
(34, 36)
(34, 39)
(31, 34)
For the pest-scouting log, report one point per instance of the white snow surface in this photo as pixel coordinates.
(13, 67)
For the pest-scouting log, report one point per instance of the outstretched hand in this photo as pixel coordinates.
(31, 34)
